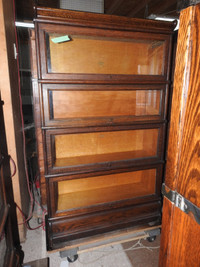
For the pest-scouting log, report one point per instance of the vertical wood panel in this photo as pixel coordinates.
(179, 100)
(180, 242)
(189, 168)
(10, 96)
(166, 233)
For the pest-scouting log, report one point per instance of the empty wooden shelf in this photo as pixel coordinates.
(101, 90)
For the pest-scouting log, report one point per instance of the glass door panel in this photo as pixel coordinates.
(90, 105)
(69, 53)
(86, 148)
(82, 104)
(85, 192)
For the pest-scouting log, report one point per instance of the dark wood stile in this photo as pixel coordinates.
(37, 114)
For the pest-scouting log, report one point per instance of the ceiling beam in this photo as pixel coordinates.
(137, 8)
(114, 6)
(167, 5)
(154, 7)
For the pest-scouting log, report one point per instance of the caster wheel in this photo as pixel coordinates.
(72, 258)
(151, 238)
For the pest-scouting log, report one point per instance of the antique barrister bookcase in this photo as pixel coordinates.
(101, 86)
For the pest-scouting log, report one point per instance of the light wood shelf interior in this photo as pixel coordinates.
(107, 188)
(86, 104)
(86, 148)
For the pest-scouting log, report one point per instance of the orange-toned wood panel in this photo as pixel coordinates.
(185, 240)
(143, 141)
(180, 94)
(184, 147)
(77, 104)
(102, 189)
(189, 167)
(166, 233)
(180, 244)
(9, 91)
(185, 231)
(84, 54)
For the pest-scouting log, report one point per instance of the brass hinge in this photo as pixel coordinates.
(182, 203)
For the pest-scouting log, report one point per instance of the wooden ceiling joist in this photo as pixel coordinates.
(114, 6)
(165, 7)
(141, 5)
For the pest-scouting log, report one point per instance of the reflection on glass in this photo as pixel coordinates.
(87, 148)
(102, 55)
(107, 188)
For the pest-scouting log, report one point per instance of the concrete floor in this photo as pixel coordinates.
(126, 255)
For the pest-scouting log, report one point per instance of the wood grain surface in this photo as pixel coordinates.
(65, 229)
(101, 21)
(188, 183)
(180, 242)
(183, 165)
